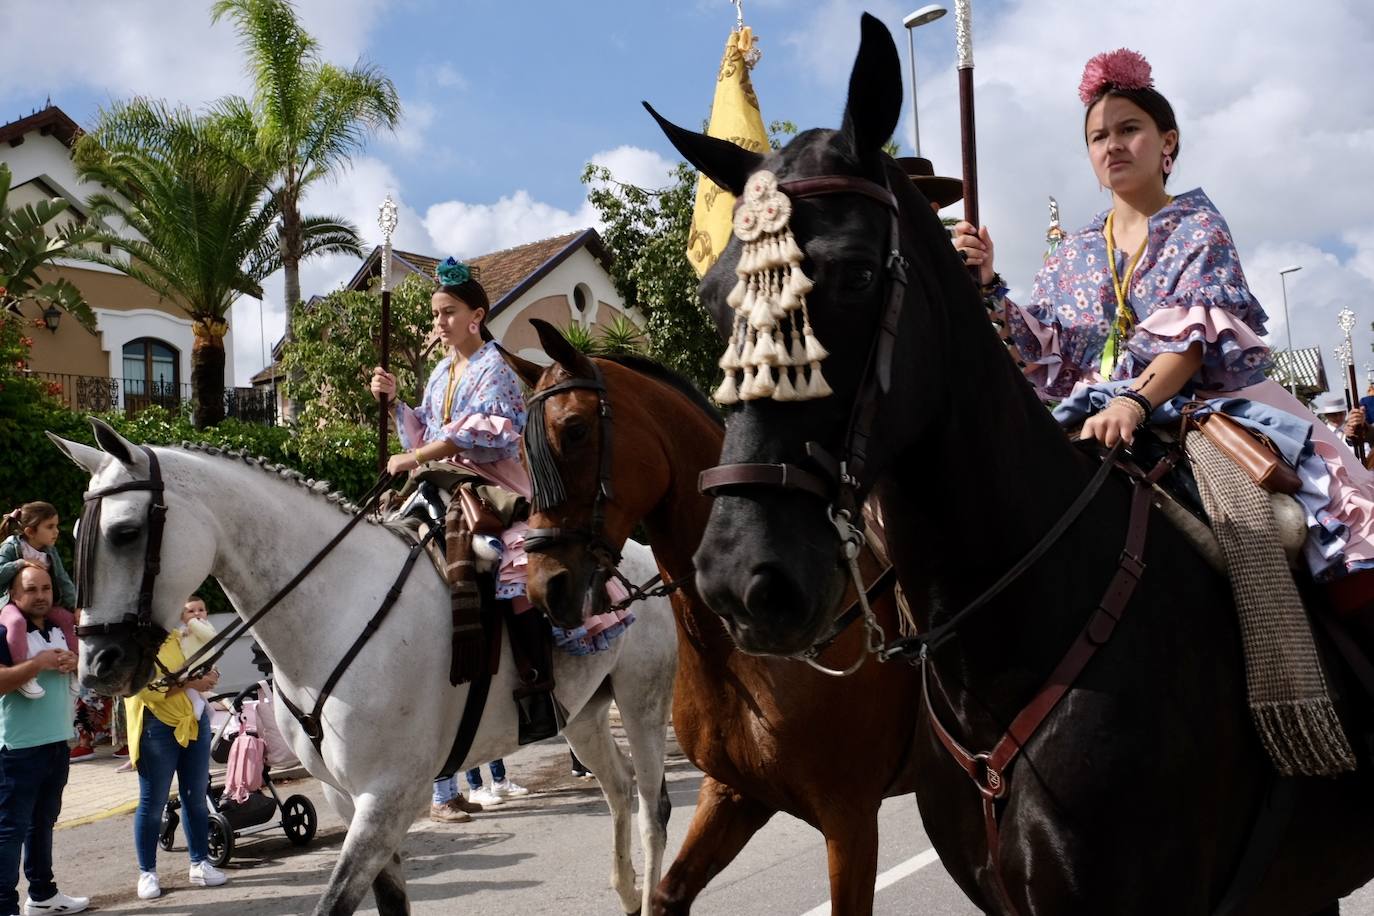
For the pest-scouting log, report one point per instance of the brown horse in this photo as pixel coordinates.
(769, 733)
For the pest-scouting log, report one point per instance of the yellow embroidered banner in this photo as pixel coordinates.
(735, 117)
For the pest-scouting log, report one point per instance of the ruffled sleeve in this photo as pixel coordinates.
(1054, 332)
(490, 419)
(410, 425)
(1210, 303)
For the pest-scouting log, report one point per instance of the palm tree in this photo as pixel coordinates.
(306, 118)
(27, 245)
(203, 226)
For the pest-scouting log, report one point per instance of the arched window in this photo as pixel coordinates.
(582, 303)
(152, 371)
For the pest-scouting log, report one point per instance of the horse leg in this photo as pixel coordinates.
(723, 823)
(389, 889)
(851, 848)
(340, 801)
(645, 715)
(590, 737)
(377, 829)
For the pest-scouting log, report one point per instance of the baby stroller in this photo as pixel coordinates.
(233, 715)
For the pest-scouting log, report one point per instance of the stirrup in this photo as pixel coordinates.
(541, 716)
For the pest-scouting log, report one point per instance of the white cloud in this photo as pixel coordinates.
(410, 135)
(466, 229)
(158, 48)
(636, 166)
(446, 77)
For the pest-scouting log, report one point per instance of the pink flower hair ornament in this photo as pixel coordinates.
(1119, 69)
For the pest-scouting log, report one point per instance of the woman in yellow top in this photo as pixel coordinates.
(169, 732)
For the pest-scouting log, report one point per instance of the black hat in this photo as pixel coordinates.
(938, 190)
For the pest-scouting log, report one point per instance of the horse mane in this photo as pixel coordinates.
(643, 365)
(320, 488)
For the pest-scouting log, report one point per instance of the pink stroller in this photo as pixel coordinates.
(247, 740)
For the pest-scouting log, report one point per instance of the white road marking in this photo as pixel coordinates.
(888, 878)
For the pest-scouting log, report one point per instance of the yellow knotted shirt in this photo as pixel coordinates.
(172, 708)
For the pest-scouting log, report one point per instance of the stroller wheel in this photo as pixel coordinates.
(170, 820)
(221, 839)
(298, 820)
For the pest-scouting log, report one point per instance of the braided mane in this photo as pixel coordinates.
(319, 488)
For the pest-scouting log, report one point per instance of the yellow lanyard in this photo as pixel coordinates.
(453, 377)
(1125, 318)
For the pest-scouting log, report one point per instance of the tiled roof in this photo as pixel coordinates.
(1305, 366)
(50, 120)
(504, 274)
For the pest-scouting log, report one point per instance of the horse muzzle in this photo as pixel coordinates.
(112, 666)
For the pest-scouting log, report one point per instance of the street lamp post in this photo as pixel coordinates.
(1283, 282)
(913, 21)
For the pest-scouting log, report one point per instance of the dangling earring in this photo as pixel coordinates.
(472, 327)
(1168, 164)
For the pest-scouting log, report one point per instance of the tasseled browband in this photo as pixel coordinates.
(546, 484)
(772, 328)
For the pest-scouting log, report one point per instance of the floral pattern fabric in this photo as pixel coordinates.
(486, 418)
(1188, 287)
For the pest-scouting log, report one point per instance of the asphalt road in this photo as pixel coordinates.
(549, 853)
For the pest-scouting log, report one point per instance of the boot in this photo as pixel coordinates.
(540, 716)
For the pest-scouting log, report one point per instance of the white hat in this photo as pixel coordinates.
(1327, 410)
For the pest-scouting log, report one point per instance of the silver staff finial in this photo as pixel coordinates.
(386, 219)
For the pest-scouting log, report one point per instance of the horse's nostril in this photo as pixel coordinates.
(106, 661)
(770, 593)
(556, 588)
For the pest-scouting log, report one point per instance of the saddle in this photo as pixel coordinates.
(471, 514)
(1178, 499)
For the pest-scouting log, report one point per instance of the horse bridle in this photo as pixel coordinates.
(146, 634)
(839, 482)
(547, 483)
(548, 491)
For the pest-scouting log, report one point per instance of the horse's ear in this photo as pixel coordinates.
(573, 360)
(721, 161)
(117, 447)
(83, 456)
(529, 372)
(875, 90)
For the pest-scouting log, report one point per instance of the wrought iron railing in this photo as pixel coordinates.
(97, 394)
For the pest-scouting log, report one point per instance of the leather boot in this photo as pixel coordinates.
(540, 716)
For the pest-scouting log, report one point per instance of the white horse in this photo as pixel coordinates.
(391, 720)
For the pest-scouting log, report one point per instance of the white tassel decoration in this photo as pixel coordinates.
(728, 392)
(746, 388)
(797, 356)
(817, 387)
(790, 252)
(814, 351)
(785, 391)
(736, 297)
(763, 383)
(801, 283)
(764, 352)
(730, 359)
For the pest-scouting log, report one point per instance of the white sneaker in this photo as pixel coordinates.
(32, 689)
(508, 788)
(148, 888)
(485, 797)
(204, 874)
(57, 903)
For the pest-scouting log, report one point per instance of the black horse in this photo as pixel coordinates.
(1140, 792)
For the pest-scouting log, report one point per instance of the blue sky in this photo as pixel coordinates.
(506, 102)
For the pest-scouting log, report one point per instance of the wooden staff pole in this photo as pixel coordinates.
(386, 219)
(963, 32)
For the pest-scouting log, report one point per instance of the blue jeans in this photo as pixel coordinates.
(498, 773)
(159, 757)
(31, 784)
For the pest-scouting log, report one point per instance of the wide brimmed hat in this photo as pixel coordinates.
(938, 190)
(1327, 410)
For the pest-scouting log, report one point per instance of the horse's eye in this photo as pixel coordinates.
(124, 534)
(858, 278)
(575, 433)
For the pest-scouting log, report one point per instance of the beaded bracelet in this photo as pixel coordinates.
(1135, 404)
(1139, 399)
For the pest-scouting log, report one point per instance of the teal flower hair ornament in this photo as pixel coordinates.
(452, 273)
